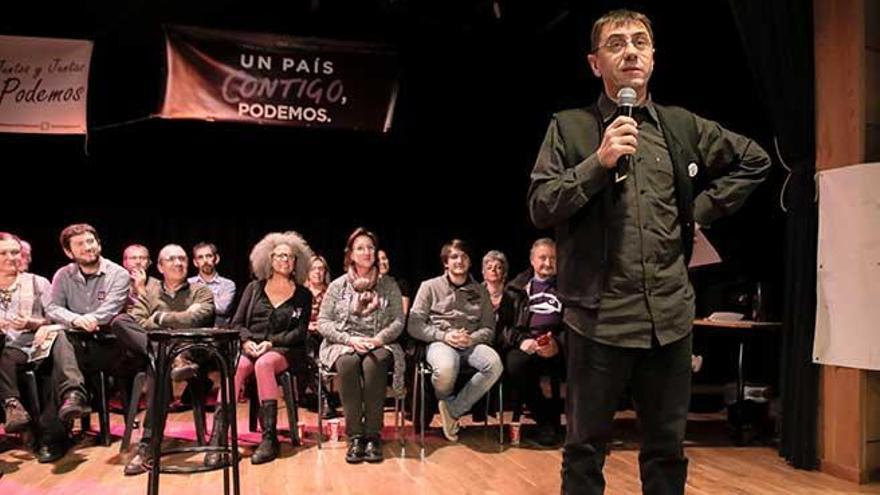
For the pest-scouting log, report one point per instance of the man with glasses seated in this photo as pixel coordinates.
(171, 303)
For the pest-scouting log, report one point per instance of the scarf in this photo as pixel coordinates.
(366, 300)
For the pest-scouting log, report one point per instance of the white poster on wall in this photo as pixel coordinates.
(43, 85)
(848, 268)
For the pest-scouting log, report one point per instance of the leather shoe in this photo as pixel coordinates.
(73, 406)
(51, 452)
(183, 369)
(17, 417)
(135, 465)
(355, 452)
(373, 450)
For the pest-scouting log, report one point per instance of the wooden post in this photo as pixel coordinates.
(847, 51)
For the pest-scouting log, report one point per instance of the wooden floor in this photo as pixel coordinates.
(475, 465)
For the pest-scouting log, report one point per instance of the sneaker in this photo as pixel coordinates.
(450, 423)
(17, 417)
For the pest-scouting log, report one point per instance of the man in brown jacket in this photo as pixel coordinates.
(171, 303)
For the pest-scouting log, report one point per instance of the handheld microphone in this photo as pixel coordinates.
(626, 101)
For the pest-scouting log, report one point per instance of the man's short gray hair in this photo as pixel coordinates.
(544, 241)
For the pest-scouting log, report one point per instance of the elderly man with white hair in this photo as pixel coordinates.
(171, 303)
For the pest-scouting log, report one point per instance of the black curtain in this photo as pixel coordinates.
(778, 40)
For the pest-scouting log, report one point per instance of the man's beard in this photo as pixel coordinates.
(90, 264)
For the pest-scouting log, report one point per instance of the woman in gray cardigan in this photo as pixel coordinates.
(360, 319)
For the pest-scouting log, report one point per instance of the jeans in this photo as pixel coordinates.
(446, 361)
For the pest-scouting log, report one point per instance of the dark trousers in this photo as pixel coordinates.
(524, 372)
(98, 352)
(660, 381)
(132, 339)
(363, 378)
(57, 375)
(131, 336)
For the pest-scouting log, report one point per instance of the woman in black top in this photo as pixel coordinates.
(273, 318)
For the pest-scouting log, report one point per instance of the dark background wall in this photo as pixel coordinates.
(476, 96)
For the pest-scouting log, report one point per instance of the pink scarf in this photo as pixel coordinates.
(367, 300)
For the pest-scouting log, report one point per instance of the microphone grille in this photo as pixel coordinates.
(627, 97)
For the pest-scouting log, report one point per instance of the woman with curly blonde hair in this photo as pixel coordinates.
(273, 317)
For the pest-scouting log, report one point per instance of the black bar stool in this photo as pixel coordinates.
(224, 346)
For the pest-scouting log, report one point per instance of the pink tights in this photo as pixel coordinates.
(266, 367)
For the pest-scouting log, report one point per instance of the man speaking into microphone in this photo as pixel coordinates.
(625, 188)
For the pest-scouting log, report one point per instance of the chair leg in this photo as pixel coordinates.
(31, 398)
(197, 390)
(422, 411)
(31, 402)
(137, 391)
(103, 410)
(320, 407)
(500, 413)
(295, 384)
(253, 405)
(415, 397)
(290, 403)
(399, 423)
(33, 394)
(488, 399)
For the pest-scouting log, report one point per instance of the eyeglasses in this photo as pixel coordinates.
(172, 258)
(617, 44)
(282, 256)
